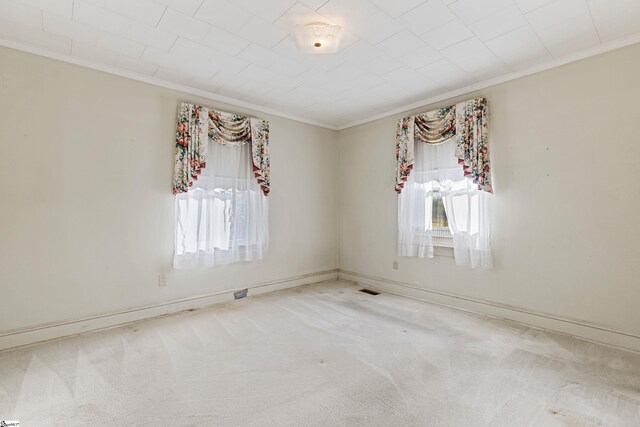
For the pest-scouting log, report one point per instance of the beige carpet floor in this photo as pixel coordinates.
(321, 355)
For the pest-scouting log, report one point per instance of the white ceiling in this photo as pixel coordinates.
(394, 52)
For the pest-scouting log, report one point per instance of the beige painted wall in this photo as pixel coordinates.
(566, 220)
(86, 222)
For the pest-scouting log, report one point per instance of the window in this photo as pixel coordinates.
(224, 217)
(442, 236)
(440, 207)
(443, 181)
(438, 213)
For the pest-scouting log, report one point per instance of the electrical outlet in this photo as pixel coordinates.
(162, 280)
(395, 265)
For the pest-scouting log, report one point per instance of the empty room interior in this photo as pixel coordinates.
(320, 212)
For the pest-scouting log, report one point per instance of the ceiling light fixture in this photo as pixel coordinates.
(318, 37)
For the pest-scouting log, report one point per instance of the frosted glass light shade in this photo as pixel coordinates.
(318, 37)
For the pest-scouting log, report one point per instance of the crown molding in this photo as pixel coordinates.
(596, 50)
(157, 82)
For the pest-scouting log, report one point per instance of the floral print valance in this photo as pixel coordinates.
(465, 121)
(196, 124)
(229, 129)
(191, 146)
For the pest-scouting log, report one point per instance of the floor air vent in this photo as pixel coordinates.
(369, 291)
(240, 294)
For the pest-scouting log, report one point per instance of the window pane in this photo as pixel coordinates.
(439, 216)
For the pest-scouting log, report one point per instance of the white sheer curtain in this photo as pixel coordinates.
(436, 172)
(468, 212)
(224, 217)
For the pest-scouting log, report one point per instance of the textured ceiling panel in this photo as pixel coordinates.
(394, 52)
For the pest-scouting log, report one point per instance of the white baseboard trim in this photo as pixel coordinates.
(576, 328)
(62, 329)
